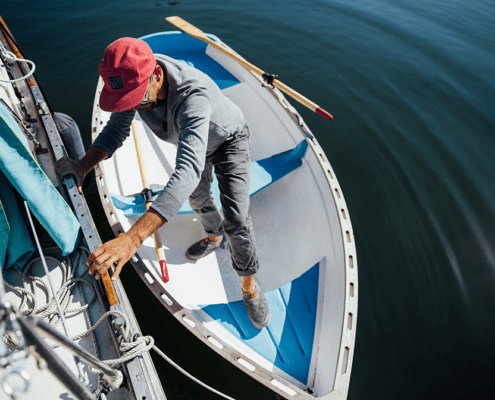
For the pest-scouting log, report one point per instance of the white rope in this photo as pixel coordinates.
(129, 350)
(102, 318)
(173, 364)
(145, 343)
(9, 56)
(83, 378)
(49, 311)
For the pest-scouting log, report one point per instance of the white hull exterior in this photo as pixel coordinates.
(305, 242)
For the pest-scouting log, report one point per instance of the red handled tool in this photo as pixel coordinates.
(160, 253)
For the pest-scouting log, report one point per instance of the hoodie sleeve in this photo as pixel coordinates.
(117, 129)
(193, 120)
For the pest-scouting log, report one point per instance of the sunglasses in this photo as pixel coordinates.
(146, 100)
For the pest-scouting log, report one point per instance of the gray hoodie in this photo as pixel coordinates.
(196, 116)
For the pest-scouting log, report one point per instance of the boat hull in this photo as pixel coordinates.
(305, 242)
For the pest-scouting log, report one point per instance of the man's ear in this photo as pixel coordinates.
(158, 73)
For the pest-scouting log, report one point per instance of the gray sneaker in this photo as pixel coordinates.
(203, 248)
(257, 308)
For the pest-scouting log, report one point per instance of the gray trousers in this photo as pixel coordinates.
(232, 162)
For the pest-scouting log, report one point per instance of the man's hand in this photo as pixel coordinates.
(79, 169)
(68, 166)
(118, 251)
(121, 249)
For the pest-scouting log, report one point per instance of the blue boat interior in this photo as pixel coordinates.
(287, 341)
(185, 48)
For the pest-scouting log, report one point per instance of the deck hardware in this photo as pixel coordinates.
(269, 78)
(29, 130)
(42, 108)
(147, 195)
(13, 362)
(120, 325)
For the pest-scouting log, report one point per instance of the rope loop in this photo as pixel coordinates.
(11, 57)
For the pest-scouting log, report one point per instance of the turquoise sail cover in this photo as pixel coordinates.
(22, 178)
(13, 229)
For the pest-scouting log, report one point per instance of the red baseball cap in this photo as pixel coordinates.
(126, 68)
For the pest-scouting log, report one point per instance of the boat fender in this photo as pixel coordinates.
(71, 136)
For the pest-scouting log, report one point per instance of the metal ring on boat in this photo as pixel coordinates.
(18, 390)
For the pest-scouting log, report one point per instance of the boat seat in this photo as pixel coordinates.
(263, 173)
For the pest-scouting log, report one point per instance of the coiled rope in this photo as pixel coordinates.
(31, 287)
(32, 284)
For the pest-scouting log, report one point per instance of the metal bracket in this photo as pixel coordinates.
(119, 324)
(269, 78)
(13, 362)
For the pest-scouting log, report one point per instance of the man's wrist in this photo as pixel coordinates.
(136, 237)
(94, 155)
(150, 222)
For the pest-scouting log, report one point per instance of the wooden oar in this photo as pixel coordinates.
(199, 34)
(109, 289)
(160, 253)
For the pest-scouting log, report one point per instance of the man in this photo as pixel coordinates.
(184, 106)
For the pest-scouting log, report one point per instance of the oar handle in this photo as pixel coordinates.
(160, 253)
(109, 289)
(199, 34)
(139, 153)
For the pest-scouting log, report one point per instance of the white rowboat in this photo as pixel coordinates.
(305, 241)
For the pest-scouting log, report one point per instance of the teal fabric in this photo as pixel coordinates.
(45, 202)
(16, 246)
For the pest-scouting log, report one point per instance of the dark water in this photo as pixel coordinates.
(412, 87)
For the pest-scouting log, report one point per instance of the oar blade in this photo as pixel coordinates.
(186, 27)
